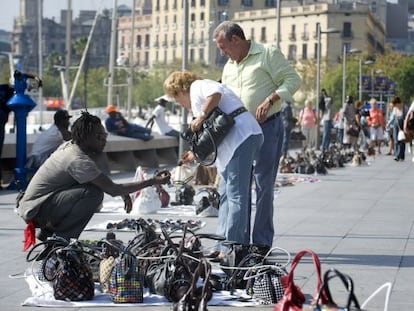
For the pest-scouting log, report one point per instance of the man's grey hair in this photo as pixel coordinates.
(230, 29)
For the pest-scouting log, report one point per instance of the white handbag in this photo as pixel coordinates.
(401, 136)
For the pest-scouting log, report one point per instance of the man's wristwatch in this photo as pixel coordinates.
(203, 114)
(270, 101)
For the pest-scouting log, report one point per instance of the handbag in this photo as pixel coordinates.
(196, 298)
(352, 131)
(410, 121)
(126, 283)
(352, 303)
(204, 142)
(47, 258)
(265, 280)
(293, 297)
(73, 280)
(236, 263)
(401, 136)
(171, 277)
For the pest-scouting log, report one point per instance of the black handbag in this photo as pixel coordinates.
(196, 297)
(353, 131)
(351, 304)
(204, 142)
(171, 276)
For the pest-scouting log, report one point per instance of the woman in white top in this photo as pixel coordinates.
(235, 154)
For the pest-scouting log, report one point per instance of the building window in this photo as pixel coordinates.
(192, 18)
(263, 34)
(347, 31)
(201, 52)
(122, 42)
(157, 5)
(146, 59)
(202, 2)
(166, 5)
(222, 2)
(304, 51)
(147, 41)
(174, 42)
(202, 16)
(374, 7)
(192, 55)
(175, 5)
(292, 52)
(270, 3)
(193, 3)
(138, 42)
(248, 3)
(252, 34)
(222, 16)
(292, 34)
(305, 35)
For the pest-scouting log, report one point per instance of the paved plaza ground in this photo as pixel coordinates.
(357, 219)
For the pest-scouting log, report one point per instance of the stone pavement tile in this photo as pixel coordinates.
(357, 219)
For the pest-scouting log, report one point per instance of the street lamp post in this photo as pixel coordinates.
(184, 65)
(360, 80)
(318, 73)
(343, 75)
(360, 63)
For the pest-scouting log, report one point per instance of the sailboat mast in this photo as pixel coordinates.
(112, 55)
(67, 54)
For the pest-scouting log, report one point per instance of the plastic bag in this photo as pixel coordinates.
(139, 176)
(147, 202)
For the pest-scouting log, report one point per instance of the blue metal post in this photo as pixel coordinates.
(21, 104)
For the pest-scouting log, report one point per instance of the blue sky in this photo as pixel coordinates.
(51, 8)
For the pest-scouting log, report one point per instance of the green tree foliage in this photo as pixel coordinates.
(148, 85)
(397, 67)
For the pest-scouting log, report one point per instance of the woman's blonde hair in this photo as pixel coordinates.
(179, 81)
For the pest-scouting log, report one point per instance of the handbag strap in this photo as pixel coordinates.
(50, 244)
(238, 111)
(290, 286)
(202, 265)
(347, 282)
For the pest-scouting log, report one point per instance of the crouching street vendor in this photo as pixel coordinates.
(69, 187)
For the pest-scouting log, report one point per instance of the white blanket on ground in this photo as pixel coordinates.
(42, 296)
